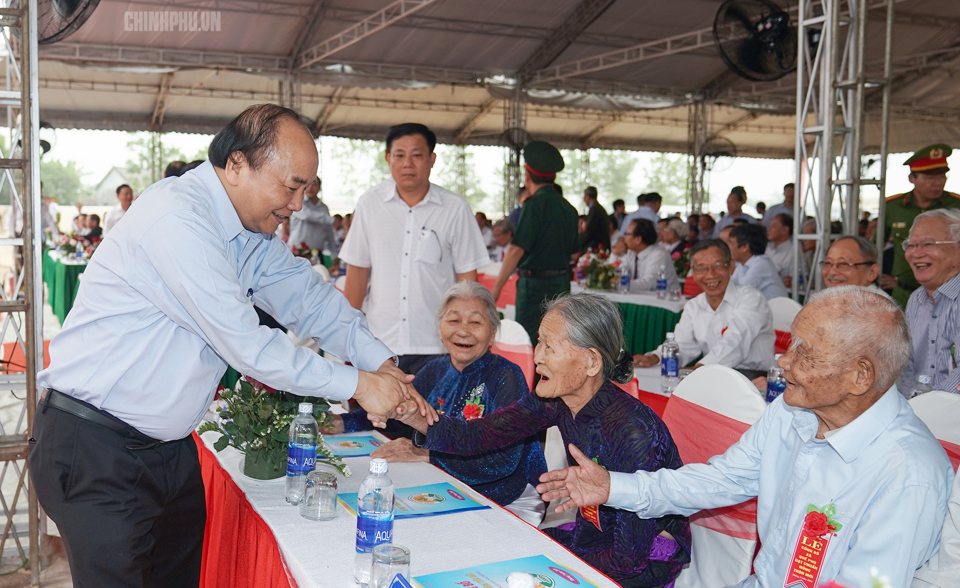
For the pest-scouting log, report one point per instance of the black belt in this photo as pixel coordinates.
(82, 410)
(526, 273)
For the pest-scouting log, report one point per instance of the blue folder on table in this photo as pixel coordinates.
(422, 501)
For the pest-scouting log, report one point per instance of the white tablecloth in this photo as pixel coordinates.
(321, 553)
(640, 299)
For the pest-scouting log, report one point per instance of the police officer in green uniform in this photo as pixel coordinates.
(545, 239)
(928, 174)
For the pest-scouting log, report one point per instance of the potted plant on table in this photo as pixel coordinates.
(255, 419)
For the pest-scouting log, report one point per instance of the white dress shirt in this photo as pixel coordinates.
(313, 225)
(644, 267)
(739, 334)
(774, 210)
(112, 217)
(168, 301)
(760, 273)
(943, 569)
(487, 234)
(642, 212)
(414, 255)
(782, 257)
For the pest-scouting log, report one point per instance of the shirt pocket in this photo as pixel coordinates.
(429, 251)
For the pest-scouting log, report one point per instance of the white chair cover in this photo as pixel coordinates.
(323, 271)
(940, 411)
(784, 311)
(513, 343)
(556, 455)
(709, 411)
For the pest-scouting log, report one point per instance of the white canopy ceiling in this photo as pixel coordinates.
(601, 73)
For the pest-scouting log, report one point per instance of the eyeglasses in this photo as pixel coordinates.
(842, 266)
(924, 246)
(717, 267)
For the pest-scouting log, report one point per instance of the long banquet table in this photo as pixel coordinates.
(253, 538)
(646, 318)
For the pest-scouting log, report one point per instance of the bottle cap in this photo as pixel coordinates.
(378, 466)
(306, 407)
(671, 336)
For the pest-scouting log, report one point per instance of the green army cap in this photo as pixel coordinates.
(542, 158)
(930, 159)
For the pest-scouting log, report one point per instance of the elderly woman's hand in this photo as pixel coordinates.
(409, 392)
(408, 414)
(401, 450)
(645, 360)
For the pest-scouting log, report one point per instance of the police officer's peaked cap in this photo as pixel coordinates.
(930, 159)
(542, 158)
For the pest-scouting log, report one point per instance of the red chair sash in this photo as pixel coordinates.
(953, 452)
(508, 295)
(522, 355)
(782, 342)
(701, 434)
(690, 287)
(632, 388)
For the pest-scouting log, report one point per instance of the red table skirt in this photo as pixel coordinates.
(239, 549)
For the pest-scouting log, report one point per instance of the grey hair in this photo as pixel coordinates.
(948, 215)
(505, 226)
(869, 325)
(465, 290)
(593, 322)
(867, 249)
(678, 226)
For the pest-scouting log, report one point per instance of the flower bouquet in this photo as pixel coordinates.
(681, 262)
(255, 419)
(598, 271)
(304, 251)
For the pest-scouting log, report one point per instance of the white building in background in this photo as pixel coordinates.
(105, 193)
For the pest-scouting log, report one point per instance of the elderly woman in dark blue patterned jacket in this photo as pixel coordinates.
(579, 356)
(466, 385)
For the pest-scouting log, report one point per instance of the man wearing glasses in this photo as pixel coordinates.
(933, 313)
(928, 174)
(728, 324)
(851, 261)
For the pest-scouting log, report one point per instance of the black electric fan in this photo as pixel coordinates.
(58, 19)
(755, 39)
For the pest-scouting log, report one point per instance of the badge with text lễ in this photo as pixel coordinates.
(592, 513)
(811, 550)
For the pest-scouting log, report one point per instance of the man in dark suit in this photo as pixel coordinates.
(596, 232)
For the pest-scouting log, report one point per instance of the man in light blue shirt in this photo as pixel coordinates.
(747, 245)
(840, 439)
(649, 209)
(166, 303)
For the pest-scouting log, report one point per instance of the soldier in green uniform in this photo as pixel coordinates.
(545, 239)
(928, 174)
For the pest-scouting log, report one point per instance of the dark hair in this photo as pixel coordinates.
(739, 221)
(644, 229)
(95, 217)
(122, 186)
(174, 169)
(406, 129)
(740, 192)
(618, 202)
(253, 133)
(713, 223)
(754, 236)
(693, 217)
(481, 215)
(591, 192)
(652, 197)
(760, 205)
(705, 244)
(790, 185)
(192, 165)
(786, 220)
(339, 216)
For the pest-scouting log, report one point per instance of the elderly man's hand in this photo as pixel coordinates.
(379, 394)
(401, 450)
(409, 392)
(645, 360)
(586, 484)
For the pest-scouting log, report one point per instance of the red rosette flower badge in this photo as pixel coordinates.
(472, 409)
(819, 522)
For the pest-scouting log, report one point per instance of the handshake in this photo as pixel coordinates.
(388, 394)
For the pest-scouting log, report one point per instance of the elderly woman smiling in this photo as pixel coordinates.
(468, 384)
(580, 352)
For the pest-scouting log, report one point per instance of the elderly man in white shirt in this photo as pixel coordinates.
(851, 261)
(747, 244)
(644, 259)
(113, 216)
(728, 324)
(409, 241)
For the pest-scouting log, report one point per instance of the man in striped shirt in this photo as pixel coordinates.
(933, 309)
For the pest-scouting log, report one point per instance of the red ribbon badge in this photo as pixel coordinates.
(592, 514)
(811, 550)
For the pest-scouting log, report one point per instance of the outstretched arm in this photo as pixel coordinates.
(585, 484)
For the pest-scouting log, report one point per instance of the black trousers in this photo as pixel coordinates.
(129, 514)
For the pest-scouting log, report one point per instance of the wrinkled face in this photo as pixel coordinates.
(840, 269)
(267, 196)
(561, 364)
(500, 237)
(466, 331)
(734, 206)
(410, 163)
(928, 187)
(125, 196)
(809, 366)
(777, 231)
(711, 272)
(933, 265)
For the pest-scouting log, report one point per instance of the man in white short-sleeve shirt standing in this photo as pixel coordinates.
(409, 241)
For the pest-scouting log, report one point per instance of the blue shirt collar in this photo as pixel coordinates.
(221, 201)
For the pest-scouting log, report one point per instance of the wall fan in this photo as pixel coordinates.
(755, 39)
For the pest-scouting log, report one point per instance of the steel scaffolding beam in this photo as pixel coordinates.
(370, 25)
(831, 96)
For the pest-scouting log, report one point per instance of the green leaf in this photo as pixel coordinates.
(812, 508)
(280, 436)
(231, 428)
(221, 443)
(207, 426)
(835, 524)
(265, 412)
(830, 510)
(241, 420)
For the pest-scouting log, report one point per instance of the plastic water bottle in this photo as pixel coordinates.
(580, 275)
(374, 517)
(924, 384)
(624, 280)
(669, 364)
(662, 283)
(301, 451)
(775, 383)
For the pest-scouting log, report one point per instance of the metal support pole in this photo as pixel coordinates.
(515, 124)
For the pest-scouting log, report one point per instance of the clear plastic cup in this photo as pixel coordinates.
(319, 502)
(389, 560)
